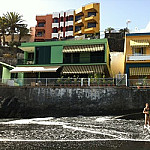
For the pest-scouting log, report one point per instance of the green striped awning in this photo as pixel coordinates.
(83, 48)
(139, 43)
(84, 69)
(139, 71)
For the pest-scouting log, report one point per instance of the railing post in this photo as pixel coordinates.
(89, 81)
(46, 81)
(126, 80)
(81, 81)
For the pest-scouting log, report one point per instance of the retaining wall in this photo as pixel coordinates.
(29, 102)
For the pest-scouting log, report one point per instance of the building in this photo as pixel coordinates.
(78, 58)
(43, 29)
(137, 62)
(87, 20)
(66, 25)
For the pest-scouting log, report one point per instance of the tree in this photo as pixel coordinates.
(13, 21)
(124, 30)
(22, 31)
(109, 29)
(3, 28)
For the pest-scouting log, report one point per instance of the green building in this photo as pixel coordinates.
(78, 58)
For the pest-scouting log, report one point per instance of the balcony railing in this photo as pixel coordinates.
(25, 62)
(138, 57)
(139, 82)
(78, 60)
(58, 82)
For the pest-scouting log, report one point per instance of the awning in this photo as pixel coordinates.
(35, 69)
(139, 71)
(83, 48)
(84, 69)
(139, 43)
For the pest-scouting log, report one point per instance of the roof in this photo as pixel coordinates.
(7, 65)
(65, 43)
(137, 34)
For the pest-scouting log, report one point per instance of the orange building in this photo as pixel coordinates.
(43, 29)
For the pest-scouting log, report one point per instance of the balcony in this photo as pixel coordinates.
(54, 35)
(139, 57)
(40, 27)
(61, 24)
(55, 15)
(25, 62)
(68, 23)
(92, 18)
(70, 13)
(40, 18)
(93, 6)
(79, 31)
(61, 14)
(55, 25)
(79, 11)
(79, 22)
(92, 29)
(69, 33)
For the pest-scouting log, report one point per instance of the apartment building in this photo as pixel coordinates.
(67, 24)
(87, 19)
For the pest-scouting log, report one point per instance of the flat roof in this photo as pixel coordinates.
(137, 34)
(65, 43)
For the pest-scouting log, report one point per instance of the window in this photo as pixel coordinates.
(39, 34)
(55, 20)
(70, 28)
(55, 30)
(90, 25)
(91, 14)
(78, 18)
(139, 51)
(41, 24)
(77, 28)
(70, 18)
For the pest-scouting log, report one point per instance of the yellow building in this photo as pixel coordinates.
(87, 19)
(137, 64)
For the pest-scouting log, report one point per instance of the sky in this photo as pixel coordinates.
(113, 13)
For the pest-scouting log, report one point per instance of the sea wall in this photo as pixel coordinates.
(29, 102)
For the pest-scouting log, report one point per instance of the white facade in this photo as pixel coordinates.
(55, 25)
(138, 57)
(61, 14)
(61, 24)
(70, 23)
(70, 13)
(69, 33)
(54, 35)
(55, 15)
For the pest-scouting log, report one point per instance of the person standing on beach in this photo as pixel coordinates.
(146, 111)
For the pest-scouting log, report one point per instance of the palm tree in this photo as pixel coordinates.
(124, 30)
(109, 29)
(13, 20)
(3, 28)
(22, 30)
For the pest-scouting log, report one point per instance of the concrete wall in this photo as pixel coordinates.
(41, 102)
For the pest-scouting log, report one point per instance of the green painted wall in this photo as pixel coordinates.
(84, 57)
(56, 54)
(25, 55)
(5, 75)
